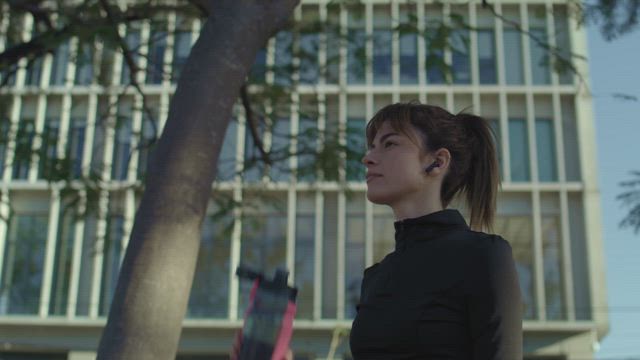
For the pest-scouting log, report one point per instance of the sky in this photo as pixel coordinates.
(615, 68)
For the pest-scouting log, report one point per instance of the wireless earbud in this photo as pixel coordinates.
(435, 164)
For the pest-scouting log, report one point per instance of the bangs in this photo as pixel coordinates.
(399, 118)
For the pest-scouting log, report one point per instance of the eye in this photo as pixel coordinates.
(386, 144)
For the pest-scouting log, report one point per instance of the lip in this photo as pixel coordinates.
(372, 176)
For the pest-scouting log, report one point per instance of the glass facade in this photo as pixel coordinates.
(304, 211)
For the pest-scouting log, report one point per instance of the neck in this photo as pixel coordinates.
(415, 209)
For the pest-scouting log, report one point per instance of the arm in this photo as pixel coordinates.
(495, 304)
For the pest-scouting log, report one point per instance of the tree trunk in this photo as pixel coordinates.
(151, 297)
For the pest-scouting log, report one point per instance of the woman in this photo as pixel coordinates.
(446, 291)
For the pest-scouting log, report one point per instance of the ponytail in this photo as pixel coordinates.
(481, 181)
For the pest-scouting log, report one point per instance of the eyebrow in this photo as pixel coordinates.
(382, 139)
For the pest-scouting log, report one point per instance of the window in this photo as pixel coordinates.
(383, 232)
(34, 72)
(513, 59)
(305, 254)
(5, 125)
(356, 51)
(75, 145)
(579, 259)
(133, 43)
(354, 252)
(23, 264)
(84, 64)
(519, 152)
(552, 256)
(63, 259)
(157, 48)
(570, 136)
(355, 148)
(307, 144)
(563, 42)
(253, 164)
(112, 254)
(333, 44)
(121, 147)
(434, 61)
(227, 158)
(540, 73)
(23, 150)
(487, 56)
(48, 153)
(210, 290)
(545, 143)
(497, 138)
(181, 48)
(59, 64)
(87, 259)
(308, 47)
(329, 261)
(280, 134)
(461, 66)
(382, 40)
(283, 60)
(264, 235)
(145, 147)
(514, 223)
(408, 47)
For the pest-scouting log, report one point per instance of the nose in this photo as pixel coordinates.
(367, 160)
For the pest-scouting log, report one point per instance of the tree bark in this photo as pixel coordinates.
(151, 297)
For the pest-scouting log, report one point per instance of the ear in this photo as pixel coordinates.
(443, 157)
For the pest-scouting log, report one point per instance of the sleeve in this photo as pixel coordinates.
(495, 307)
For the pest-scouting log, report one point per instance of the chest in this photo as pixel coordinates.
(413, 306)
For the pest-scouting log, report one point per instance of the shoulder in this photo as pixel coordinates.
(487, 250)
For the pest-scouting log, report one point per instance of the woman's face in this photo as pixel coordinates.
(396, 168)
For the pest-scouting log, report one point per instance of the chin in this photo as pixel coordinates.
(379, 199)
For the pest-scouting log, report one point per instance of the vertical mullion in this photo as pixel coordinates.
(37, 140)
(422, 74)
(566, 257)
(129, 214)
(395, 52)
(368, 210)
(4, 212)
(293, 160)
(13, 133)
(237, 220)
(448, 58)
(319, 234)
(49, 257)
(368, 43)
(342, 122)
(76, 258)
(473, 51)
(167, 66)
(136, 128)
(322, 47)
(504, 116)
(89, 134)
(318, 264)
(144, 52)
(341, 254)
(4, 194)
(22, 63)
(564, 207)
(103, 206)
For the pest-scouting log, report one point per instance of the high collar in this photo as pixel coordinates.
(408, 230)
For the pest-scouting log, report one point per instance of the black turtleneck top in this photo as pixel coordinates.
(446, 292)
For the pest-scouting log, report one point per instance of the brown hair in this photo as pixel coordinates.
(470, 140)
